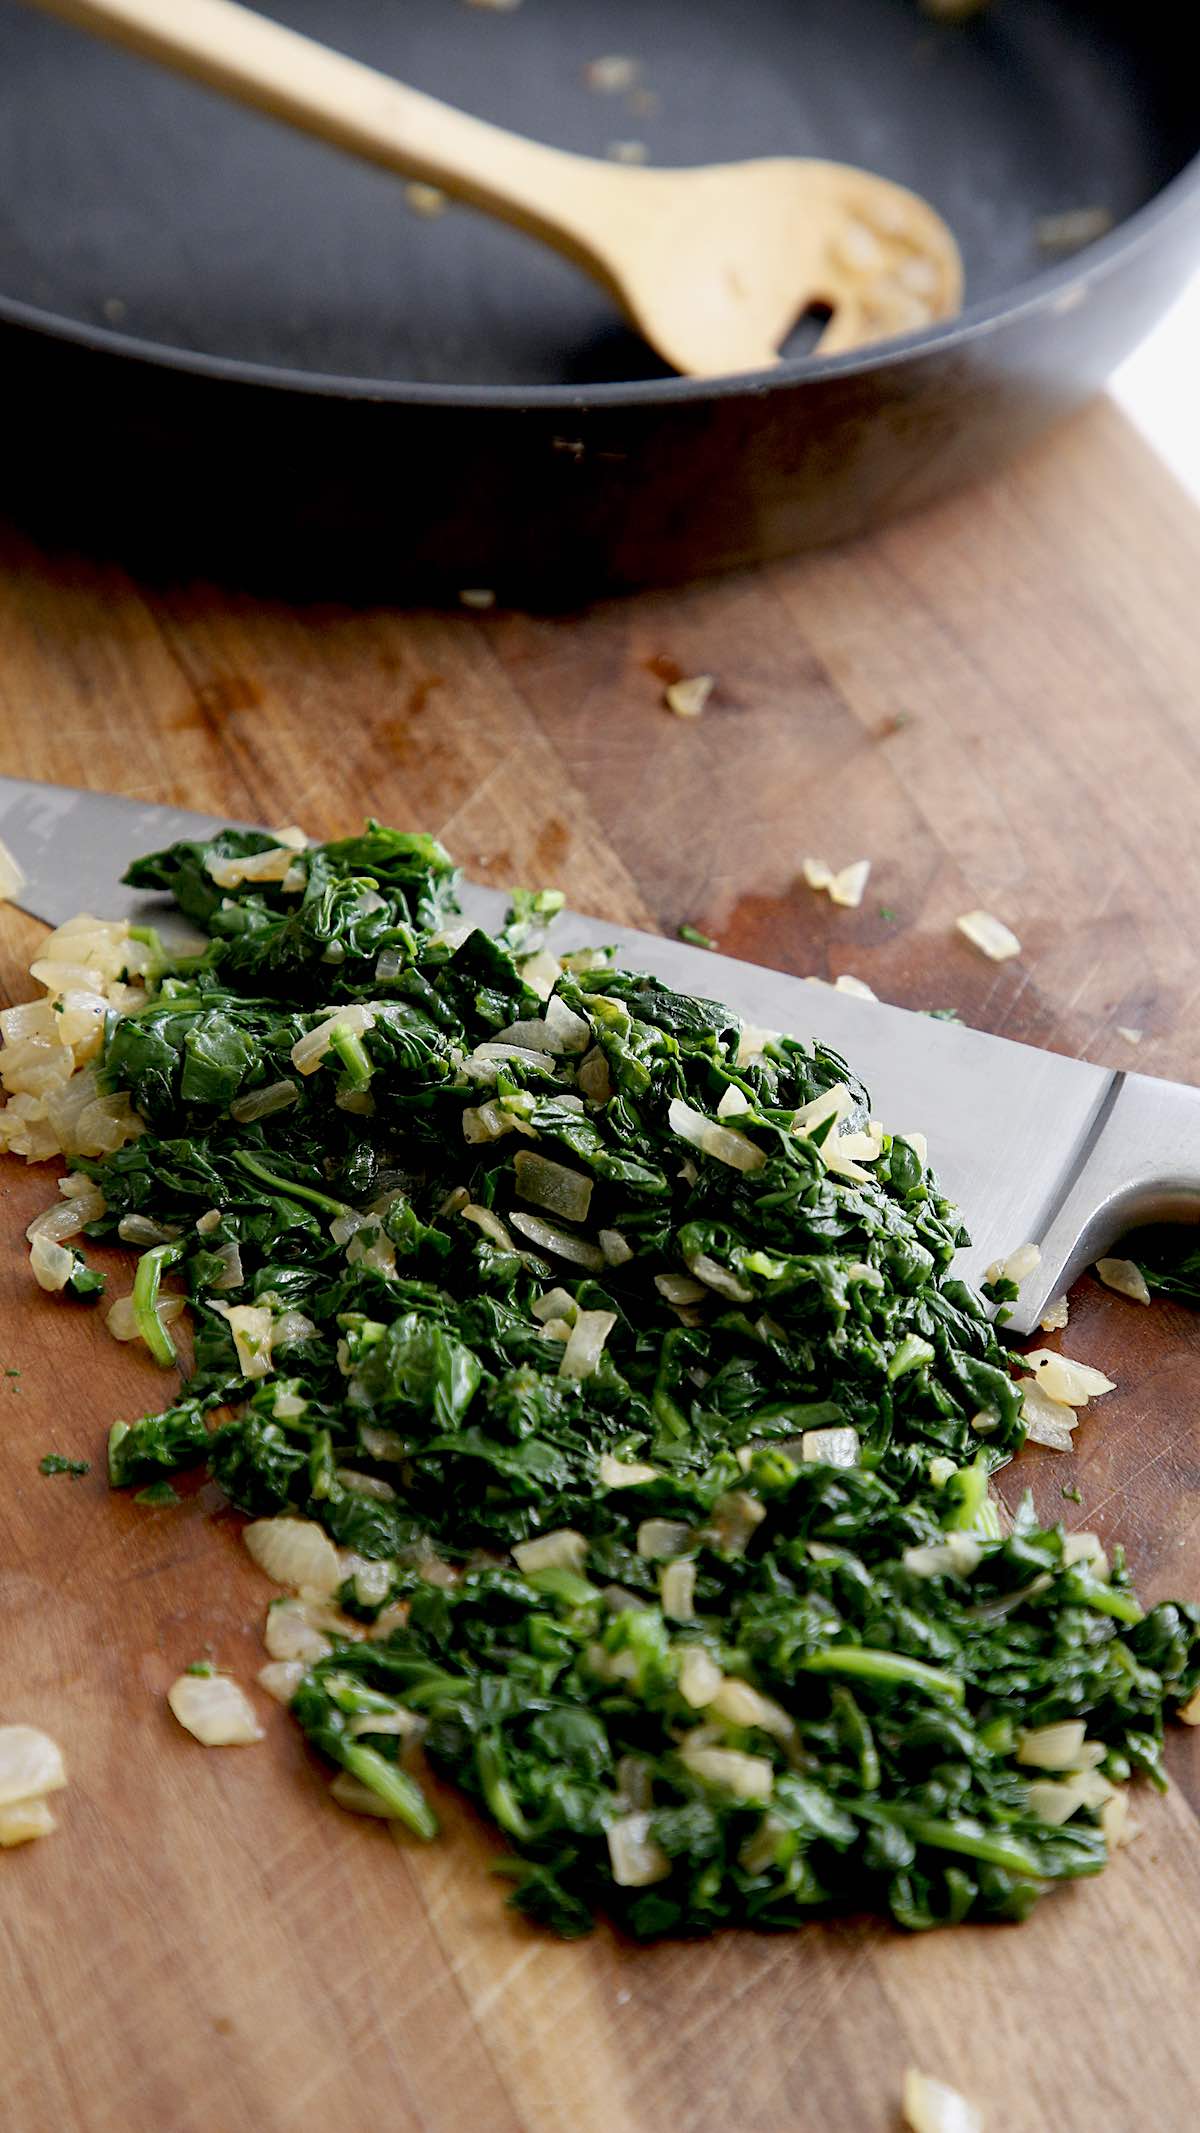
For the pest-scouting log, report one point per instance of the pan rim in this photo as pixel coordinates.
(972, 323)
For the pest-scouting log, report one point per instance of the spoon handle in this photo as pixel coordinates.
(319, 91)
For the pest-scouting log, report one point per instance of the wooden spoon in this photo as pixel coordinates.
(714, 265)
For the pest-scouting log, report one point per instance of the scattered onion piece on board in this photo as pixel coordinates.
(848, 887)
(931, 2107)
(215, 1710)
(295, 1552)
(688, 698)
(990, 935)
(1055, 1317)
(31, 1764)
(1125, 1277)
(1072, 1384)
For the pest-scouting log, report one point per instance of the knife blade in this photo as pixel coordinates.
(1032, 1146)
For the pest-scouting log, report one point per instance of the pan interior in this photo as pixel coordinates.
(131, 200)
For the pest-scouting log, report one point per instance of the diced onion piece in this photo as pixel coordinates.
(563, 1550)
(1055, 1800)
(817, 873)
(661, 1537)
(365, 1484)
(270, 865)
(309, 1050)
(714, 1140)
(1131, 1036)
(1085, 1548)
(485, 1219)
(1125, 1277)
(1046, 1421)
(636, 1859)
(290, 1633)
(496, 1053)
(541, 972)
(700, 1677)
(741, 1705)
(30, 1764)
(677, 1591)
(857, 988)
(556, 1303)
(62, 1219)
(549, 1238)
(957, 1556)
(23, 1820)
(1115, 1823)
(140, 1230)
(586, 1344)
(849, 885)
(733, 1520)
(572, 1032)
(931, 2107)
(122, 1320)
(623, 1474)
(215, 1709)
(687, 698)
(752, 1043)
(719, 1278)
(733, 1103)
(1071, 1384)
(253, 1328)
(617, 1252)
(680, 1288)
(1056, 1747)
(593, 1076)
(281, 1678)
(295, 1552)
(1055, 1316)
(557, 1329)
(53, 1265)
(835, 1103)
(1189, 1712)
(265, 1102)
(559, 1190)
(990, 935)
(749, 1777)
(831, 1447)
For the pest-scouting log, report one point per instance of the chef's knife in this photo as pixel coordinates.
(1033, 1147)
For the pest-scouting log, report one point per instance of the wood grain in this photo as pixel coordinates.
(996, 703)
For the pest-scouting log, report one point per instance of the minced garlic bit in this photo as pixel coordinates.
(688, 698)
(1055, 1316)
(88, 968)
(990, 935)
(1125, 1277)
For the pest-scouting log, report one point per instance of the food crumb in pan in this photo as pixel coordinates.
(428, 201)
(1071, 230)
(613, 74)
(479, 597)
(627, 152)
(687, 698)
(953, 10)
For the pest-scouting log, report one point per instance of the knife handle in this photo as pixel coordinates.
(1142, 1164)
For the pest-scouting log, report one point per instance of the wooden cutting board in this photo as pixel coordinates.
(997, 704)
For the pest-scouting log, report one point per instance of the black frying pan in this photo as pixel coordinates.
(224, 347)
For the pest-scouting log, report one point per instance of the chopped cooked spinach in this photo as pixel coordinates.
(472, 1269)
(1169, 1258)
(55, 1463)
